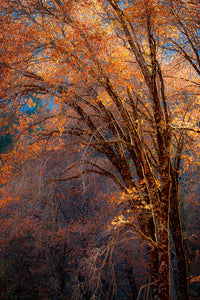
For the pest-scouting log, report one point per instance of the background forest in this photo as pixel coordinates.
(99, 149)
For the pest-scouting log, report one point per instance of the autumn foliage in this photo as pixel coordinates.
(99, 110)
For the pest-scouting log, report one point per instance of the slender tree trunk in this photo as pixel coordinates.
(163, 223)
(148, 228)
(176, 231)
(164, 260)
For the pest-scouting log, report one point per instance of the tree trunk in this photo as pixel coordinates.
(148, 228)
(176, 231)
(164, 261)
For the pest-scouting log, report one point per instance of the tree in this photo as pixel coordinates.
(103, 65)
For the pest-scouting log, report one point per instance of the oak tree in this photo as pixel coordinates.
(119, 82)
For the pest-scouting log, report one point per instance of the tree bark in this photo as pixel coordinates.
(148, 228)
(164, 261)
(176, 231)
